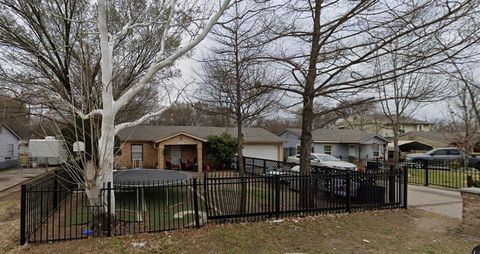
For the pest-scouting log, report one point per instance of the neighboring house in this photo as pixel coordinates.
(8, 147)
(342, 143)
(381, 125)
(292, 137)
(416, 141)
(184, 146)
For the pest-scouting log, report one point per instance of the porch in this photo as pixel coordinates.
(181, 152)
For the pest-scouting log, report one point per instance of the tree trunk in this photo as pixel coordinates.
(106, 142)
(241, 168)
(306, 199)
(395, 150)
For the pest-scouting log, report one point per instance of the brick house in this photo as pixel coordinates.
(183, 147)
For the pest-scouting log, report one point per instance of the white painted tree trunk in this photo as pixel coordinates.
(104, 173)
(99, 176)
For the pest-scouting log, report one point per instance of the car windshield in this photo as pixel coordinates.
(326, 157)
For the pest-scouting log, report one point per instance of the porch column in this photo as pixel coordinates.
(280, 152)
(161, 157)
(199, 158)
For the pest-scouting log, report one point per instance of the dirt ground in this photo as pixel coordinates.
(397, 231)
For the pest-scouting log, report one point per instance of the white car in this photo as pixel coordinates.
(324, 160)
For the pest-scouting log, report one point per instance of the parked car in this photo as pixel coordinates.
(440, 155)
(325, 160)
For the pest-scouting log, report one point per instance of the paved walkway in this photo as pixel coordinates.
(445, 202)
(12, 177)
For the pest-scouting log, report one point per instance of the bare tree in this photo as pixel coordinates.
(402, 91)
(334, 41)
(463, 125)
(463, 122)
(108, 30)
(236, 84)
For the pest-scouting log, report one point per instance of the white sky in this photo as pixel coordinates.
(189, 66)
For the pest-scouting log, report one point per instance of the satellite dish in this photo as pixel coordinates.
(78, 146)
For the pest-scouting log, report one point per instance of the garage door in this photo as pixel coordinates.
(269, 152)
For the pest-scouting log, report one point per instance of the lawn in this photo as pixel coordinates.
(159, 208)
(398, 231)
(447, 178)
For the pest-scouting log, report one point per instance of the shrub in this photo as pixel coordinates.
(223, 149)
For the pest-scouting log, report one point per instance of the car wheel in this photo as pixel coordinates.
(418, 164)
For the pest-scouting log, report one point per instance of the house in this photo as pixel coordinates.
(381, 125)
(8, 147)
(342, 143)
(184, 146)
(421, 141)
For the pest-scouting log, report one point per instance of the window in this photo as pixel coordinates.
(376, 150)
(137, 152)
(440, 152)
(10, 151)
(454, 152)
(327, 149)
(420, 127)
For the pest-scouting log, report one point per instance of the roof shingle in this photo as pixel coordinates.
(155, 133)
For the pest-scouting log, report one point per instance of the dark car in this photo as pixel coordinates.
(442, 154)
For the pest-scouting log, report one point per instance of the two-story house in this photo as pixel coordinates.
(381, 125)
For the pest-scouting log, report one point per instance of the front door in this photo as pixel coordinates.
(176, 155)
(352, 150)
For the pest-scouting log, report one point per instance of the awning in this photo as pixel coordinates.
(409, 145)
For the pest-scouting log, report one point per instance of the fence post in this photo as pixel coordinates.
(55, 191)
(195, 203)
(277, 195)
(23, 207)
(238, 168)
(109, 208)
(425, 166)
(244, 164)
(254, 165)
(391, 183)
(405, 186)
(348, 191)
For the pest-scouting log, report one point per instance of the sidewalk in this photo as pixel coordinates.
(445, 202)
(12, 177)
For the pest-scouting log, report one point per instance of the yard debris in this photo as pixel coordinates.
(295, 228)
(366, 241)
(139, 245)
(276, 221)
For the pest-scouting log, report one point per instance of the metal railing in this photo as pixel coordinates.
(270, 190)
(449, 174)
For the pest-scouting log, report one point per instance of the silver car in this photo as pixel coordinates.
(418, 160)
(325, 161)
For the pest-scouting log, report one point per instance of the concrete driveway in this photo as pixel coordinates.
(10, 179)
(441, 201)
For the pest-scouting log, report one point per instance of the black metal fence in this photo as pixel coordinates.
(55, 210)
(41, 198)
(450, 174)
(362, 163)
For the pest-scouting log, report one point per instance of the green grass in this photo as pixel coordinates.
(158, 210)
(399, 231)
(447, 178)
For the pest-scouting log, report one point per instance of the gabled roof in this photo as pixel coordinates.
(343, 136)
(10, 129)
(436, 135)
(407, 120)
(296, 131)
(155, 133)
(337, 135)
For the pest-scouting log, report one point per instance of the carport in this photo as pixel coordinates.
(411, 146)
